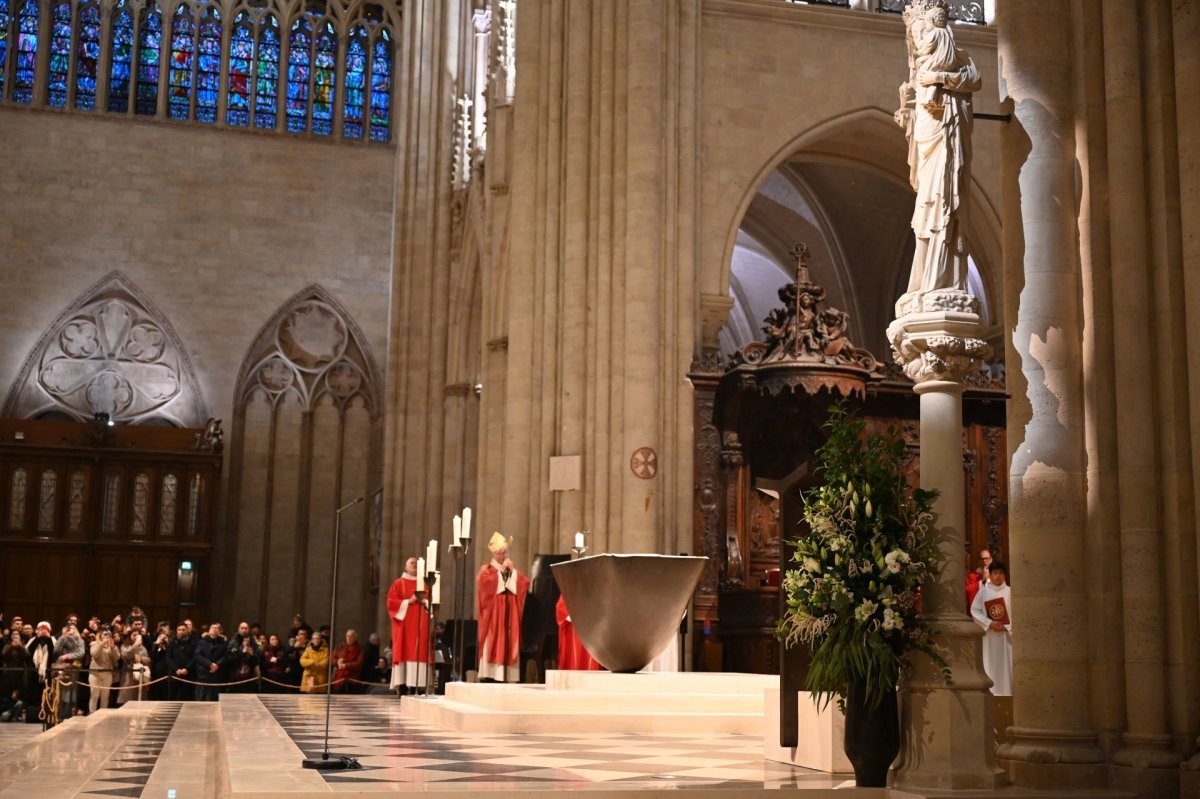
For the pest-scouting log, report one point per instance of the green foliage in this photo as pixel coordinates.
(853, 596)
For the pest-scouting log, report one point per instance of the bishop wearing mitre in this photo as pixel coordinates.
(500, 590)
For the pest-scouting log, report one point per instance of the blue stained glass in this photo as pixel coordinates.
(241, 59)
(5, 21)
(324, 69)
(60, 55)
(122, 60)
(381, 87)
(356, 77)
(266, 78)
(87, 60)
(208, 65)
(149, 50)
(299, 60)
(183, 51)
(27, 45)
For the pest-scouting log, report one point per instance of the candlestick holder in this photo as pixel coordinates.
(579, 552)
(459, 552)
(430, 687)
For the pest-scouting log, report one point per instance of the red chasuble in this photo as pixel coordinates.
(572, 654)
(499, 623)
(410, 636)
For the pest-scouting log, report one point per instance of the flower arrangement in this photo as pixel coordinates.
(854, 595)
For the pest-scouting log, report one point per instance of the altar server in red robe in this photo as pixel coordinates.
(572, 654)
(500, 590)
(410, 631)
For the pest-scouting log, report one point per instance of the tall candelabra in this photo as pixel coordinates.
(430, 682)
(459, 550)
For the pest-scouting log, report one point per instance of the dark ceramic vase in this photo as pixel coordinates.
(872, 738)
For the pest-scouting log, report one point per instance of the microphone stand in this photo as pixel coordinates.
(326, 760)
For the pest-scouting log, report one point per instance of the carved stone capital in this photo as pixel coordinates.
(457, 389)
(938, 338)
(498, 344)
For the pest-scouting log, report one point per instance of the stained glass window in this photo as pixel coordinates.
(16, 499)
(208, 65)
(299, 59)
(381, 87)
(183, 51)
(48, 492)
(27, 45)
(75, 503)
(195, 499)
(149, 47)
(356, 76)
(324, 70)
(168, 506)
(87, 59)
(5, 22)
(122, 59)
(241, 60)
(141, 505)
(112, 507)
(60, 55)
(266, 77)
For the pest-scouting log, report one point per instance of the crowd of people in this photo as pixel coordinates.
(113, 662)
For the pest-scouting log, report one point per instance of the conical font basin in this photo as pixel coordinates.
(625, 608)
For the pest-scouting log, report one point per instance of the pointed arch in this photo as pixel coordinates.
(111, 351)
(306, 438)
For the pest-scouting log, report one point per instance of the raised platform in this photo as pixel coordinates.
(600, 701)
(251, 747)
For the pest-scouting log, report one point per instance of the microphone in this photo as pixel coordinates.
(354, 501)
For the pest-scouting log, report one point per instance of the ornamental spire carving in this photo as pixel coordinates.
(801, 331)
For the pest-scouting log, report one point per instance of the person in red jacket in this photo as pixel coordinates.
(347, 665)
(976, 577)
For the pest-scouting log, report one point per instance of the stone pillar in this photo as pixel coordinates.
(948, 740)
(1053, 742)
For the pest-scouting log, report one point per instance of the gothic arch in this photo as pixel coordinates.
(111, 351)
(868, 139)
(306, 439)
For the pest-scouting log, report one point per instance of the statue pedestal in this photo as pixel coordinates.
(948, 739)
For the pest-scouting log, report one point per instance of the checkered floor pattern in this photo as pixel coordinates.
(394, 748)
(128, 768)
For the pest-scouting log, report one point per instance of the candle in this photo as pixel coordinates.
(431, 555)
(466, 523)
(437, 590)
(457, 530)
(421, 573)
(579, 540)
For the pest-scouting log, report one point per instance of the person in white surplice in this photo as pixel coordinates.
(992, 608)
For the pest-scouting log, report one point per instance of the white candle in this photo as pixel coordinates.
(457, 530)
(466, 523)
(437, 590)
(579, 540)
(431, 555)
(421, 573)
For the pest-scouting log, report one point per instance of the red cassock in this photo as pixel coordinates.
(410, 637)
(500, 623)
(572, 654)
(973, 581)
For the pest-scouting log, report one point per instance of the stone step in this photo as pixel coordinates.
(464, 717)
(660, 683)
(536, 698)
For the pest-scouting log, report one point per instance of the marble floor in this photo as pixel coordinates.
(253, 746)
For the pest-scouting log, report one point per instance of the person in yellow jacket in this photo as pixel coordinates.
(315, 662)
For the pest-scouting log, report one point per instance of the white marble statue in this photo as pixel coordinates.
(935, 112)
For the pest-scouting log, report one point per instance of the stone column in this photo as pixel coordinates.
(1053, 742)
(948, 740)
